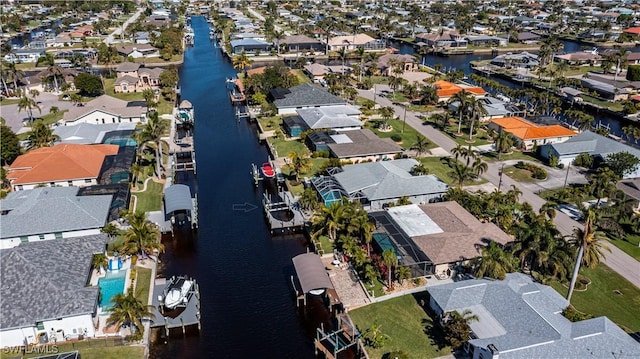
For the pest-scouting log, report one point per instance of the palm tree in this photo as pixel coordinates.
(419, 170)
(360, 51)
(387, 113)
(329, 220)
(40, 135)
(590, 247)
(136, 170)
(495, 262)
(456, 327)
(148, 95)
(476, 112)
(390, 260)
(403, 273)
(463, 99)
(420, 146)
(309, 199)
(110, 230)
(55, 72)
(99, 262)
(127, 309)
(503, 143)
(142, 236)
(27, 103)
(15, 74)
(242, 62)
(152, 131)
(298, 163)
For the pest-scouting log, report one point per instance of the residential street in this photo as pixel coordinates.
(111, 38)
(618, 260)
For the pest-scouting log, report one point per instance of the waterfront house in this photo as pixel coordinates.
(494, 107)
(248, 35)
(300, 43)
(287, 101)
(132, 77)
(443, 38)
(606, 89)
(46, 297)
(353, 42)
(105, 109)
(590, 143)
(486, 40)
(445, 90)
(376, 184)
(51, 213)
(520, 318)
(89, 134)
(249, 46)
(59, 165)
(631, 188)
(528, 135)
(355, 145)
(24, 56)
(137, 51)
(580, 58)
(340, 117)
(447, 234)
(405, 62)
(528, 38)
(521, 60)
(317, 71)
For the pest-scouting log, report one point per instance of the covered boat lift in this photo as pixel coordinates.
(312, 276)
(178, 200)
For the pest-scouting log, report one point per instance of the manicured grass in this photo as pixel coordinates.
(439, 166)
(285, 146)
(270, 123)
(326, 245)
(629, 245)
(600, 299)
(520, 175)
(302, 78)
(409, 136)
(9, 101)
(143, 284)
(613, 106)
(151, 199)
(408, 326)
(514, 155)
(479, 139)
(94, 349)
(113, 352)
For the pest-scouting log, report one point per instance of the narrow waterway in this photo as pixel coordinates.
(247, 305)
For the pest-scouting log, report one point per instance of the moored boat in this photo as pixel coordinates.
(267, 170)
(176, 293)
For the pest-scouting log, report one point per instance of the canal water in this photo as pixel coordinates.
(247, 304)
(462, 62)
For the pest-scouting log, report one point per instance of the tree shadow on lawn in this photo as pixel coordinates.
(430, 325)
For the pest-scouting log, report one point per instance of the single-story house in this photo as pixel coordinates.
(89, 134)
(495, 108)
(523, 60)
(45, 293)
(355, 145)
(353, 42)
(24, 55)
(137, 51)
(443, 38)
(51, 213)
(447, 234)
(528, 38)
(63, 165)
(301, 43)
(445, 90)
(317, 71)
(528, 135)
(486, 40)
(341, 117)
(248, 35)
(520, 318)
(580, 58)
(572, 94)
(405, 62)
(142, 37)
(105, 109)
(287, 101)
(249, 46)
(605, 90)
(591, 143)
(376, 184)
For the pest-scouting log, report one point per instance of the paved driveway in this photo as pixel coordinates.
(17, 119)
(619, 261)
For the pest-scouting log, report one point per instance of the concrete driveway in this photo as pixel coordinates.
(16, 120)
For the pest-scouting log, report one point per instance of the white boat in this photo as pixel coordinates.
(175, 294)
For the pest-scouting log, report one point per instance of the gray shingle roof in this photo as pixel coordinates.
(127, 67)
(306, 95)
(50, 210)
(530, 315)
(387, 180)
(363, 143)
(47, 280)
(593, 144)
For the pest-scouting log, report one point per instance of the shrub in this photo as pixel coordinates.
(633, 73)
(396, 138)
(574, 315)
(583, 160)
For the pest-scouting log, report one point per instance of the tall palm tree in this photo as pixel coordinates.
(127, 309)
(27, 103)
(495, 262)
(420, 146)
(148, 95)
(242, 62)
(142, 237)
(390, 260)
(40, 135)
(590, 247)
(476, 112)
(15, 74)
(152, 131)
(387, 113)
(54, 71)
(329, 220)
(360, 51)
(298, 163)
(463, 98)
(503, 143)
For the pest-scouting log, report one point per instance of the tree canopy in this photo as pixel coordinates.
(89, 85)
(10, 148)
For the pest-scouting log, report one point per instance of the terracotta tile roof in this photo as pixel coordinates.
(63, 162)
(526, 130)
(448, 89)
(633, 30)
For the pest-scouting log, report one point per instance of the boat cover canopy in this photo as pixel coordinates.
(311, 272)
(177, 197)
(185, 104)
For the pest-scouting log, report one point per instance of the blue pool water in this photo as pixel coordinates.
(121, 141)
(110, 285)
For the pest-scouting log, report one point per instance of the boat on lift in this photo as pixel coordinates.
(267, 170)
(176, 292)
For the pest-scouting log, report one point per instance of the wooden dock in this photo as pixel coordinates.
(189, 317)
(274, 211)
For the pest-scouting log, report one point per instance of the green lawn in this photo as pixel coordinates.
(613, 106)
(101, 350)
(151, 199)
(408, 326)
(629, 245)
(514, 155)
(601, 299)
(408, 137)
(10, 101)
(270, 123)
(302, 78)
(520, 175)
(439, 167)
(285, 146)
(325, 244)
(143, 284)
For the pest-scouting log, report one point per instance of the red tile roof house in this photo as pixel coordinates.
(63, 165)
(528, 135)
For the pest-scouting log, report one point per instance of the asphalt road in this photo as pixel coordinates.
(16, 120)
(619, 261)
(111, 38)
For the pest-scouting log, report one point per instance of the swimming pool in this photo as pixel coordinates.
(121, 141)
(110, 285)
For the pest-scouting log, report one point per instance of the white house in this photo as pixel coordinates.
(45, 292)
(104, 109)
